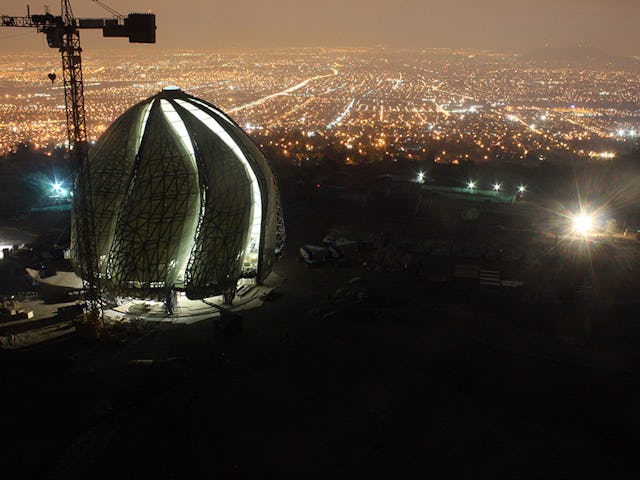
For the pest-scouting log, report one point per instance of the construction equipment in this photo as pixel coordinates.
(63, 33)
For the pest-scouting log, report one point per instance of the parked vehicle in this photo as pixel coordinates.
(320, 255)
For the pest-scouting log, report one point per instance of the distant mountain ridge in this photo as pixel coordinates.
(579, 56)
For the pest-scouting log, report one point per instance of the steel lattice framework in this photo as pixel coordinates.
(182, 199)
(70, 49)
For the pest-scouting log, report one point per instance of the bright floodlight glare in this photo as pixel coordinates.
(582, 223)
(497, 187)
(57, 186)
(471, 185)
(420, 178)
(522, 189)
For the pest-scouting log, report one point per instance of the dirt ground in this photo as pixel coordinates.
(408, 385)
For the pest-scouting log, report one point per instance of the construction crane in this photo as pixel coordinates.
(63, 33)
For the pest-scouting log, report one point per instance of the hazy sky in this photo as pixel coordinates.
(505, 25)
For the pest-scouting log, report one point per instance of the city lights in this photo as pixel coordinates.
(471, 184)
(522, 189)
(420, 177)
(497, 187)
(346, 106)
(602, 155)
(631, 133)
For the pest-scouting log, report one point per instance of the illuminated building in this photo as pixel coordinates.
(181, 200)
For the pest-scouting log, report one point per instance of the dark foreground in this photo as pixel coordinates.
(412, 382)
(406, 389)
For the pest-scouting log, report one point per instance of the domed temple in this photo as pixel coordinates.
(181, 200)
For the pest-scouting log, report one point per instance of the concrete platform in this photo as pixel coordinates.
(187, 311)
(192, 311)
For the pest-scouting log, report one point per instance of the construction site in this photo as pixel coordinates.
(166, 326)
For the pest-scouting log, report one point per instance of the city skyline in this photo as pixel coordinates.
(515, 26)
(449, 106)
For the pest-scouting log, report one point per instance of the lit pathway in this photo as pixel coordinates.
(342, 115)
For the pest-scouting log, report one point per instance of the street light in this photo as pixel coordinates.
(471, 184)
(522, 189)
(421, 176)
(58, 191)
(582, 224)
(497, 187)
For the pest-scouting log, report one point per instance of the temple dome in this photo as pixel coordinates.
(181, 199)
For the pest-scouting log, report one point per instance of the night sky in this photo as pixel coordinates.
(502, 25)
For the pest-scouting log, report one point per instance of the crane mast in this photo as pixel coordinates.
(77, 134)
(73, 84)
(63, 33)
